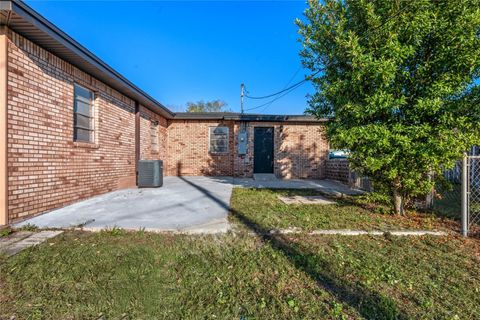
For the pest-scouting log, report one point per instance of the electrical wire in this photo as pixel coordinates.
(292, 88)
(286, 89)
(298, 84)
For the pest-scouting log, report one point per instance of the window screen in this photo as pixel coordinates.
(219, 139)
(83, 114)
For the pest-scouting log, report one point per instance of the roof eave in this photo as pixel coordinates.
(245, 117)
(105, 73)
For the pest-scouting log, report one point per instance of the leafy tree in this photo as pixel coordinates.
(209, 106)
(399, 78)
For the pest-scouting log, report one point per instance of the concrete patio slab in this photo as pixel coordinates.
(183, 204)
(328, 187)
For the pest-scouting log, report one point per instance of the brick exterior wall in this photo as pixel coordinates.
(146, 150)
(338, 169)
(300, 150)
(188, 149)
(47, 170)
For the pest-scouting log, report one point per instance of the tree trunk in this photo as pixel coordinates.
(398, 202)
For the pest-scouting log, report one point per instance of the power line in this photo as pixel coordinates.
(289, 89)
(292, 88)
(286, 89)
(298, 84)
(286, 85)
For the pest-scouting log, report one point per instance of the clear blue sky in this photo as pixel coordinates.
(187, 51)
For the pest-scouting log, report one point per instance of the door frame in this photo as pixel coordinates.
(273, 148)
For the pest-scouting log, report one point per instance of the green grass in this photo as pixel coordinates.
(262, 207)
(83, 275)
(5, 231)
(140, 275)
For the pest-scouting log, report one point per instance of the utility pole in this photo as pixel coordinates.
(242, 93)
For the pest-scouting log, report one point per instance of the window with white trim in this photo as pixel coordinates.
(154, 135)
(83, 116)
(219, 139)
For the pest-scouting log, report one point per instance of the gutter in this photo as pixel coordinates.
(120, 83)
(24, 20)
(245, 117)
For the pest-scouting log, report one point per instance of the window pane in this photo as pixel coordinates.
(83, 112)
(219, 143)
(82, 135)
(82, 108)
(81, 92)
(218, 149)
(82, 121)
(219, 139)
(219, 130)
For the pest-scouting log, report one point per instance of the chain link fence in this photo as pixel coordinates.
(460, 200)
(448, 201)
(473, 191)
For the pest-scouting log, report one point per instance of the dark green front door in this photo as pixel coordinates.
(263, 150)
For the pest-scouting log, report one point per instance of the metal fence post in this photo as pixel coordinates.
(465, 195)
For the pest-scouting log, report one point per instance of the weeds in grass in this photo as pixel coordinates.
(239, 276)
(28, 227)
(5, 231)
(114, 231)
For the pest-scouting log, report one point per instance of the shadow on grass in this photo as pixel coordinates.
(369, 304)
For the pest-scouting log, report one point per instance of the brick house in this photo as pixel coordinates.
(74, 128)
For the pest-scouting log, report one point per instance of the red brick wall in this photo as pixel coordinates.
(188, 149)
(46, 168)
(300, 150)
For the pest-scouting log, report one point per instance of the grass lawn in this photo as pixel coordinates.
(81, 275)
(262, 207)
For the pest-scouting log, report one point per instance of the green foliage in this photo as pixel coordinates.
(209, 106)
(400, 81)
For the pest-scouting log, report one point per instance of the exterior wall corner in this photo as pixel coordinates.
(3, 127)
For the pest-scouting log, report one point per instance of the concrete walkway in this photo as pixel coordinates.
(18, 241)
(183, 204)
(329, 187)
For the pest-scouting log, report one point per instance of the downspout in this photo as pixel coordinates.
(137, 139)
(3, 126)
